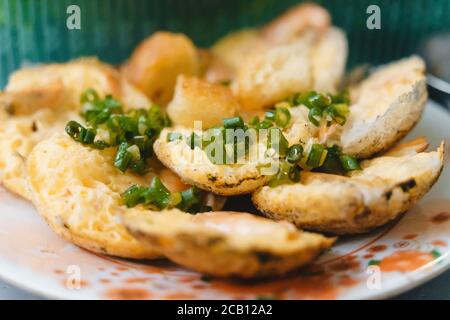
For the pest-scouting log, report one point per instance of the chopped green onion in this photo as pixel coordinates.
(234, 122)
(294, 153)
(270, 115)
(332, 163)
(133, 196)
(135, 152)
(294, 173)
(338, 112)
(254, 122)
(109, 126)
(335, 108)
(342, 109)
(74, 130)
(282, 117)
(157, 194)
(88, 136)
(349, 163)
(319, 100)
(286, 174)
(343, 97)
(314, 116)
(90, 95)
(138, 166)
(143, 143)
(265, 124)
(277, 141)
(304, 99)
(175, 199)
(316, 156)
(123, 157)
(99, 144)
(189, 198)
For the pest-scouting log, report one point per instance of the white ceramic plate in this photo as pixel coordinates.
(386, 262)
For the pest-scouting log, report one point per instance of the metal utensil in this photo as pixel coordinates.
(436, 52)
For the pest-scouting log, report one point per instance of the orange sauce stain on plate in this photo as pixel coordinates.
(441, 217)
(349, 263)
(127, 294)
(378, 248)
(137, 280)
(347, 281)
(439, 243)
(72, 283)
(405, 261)
(297, 287)
(179, 296)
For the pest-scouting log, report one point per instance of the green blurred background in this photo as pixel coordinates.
(35, 30)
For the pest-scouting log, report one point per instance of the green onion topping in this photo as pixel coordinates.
(322, 107)
(294, 153)
(231, 123)
(349, 163)
(159, 196)
(133, 133)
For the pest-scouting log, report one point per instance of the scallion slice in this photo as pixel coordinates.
(265, 124)
(294, 173)
(133, 196)
(157, 194)
(349, 163)
(123, 157)
(277, 141)
(314, 115)
(189, 198)
(282, 117)
(316, 156)
(271, 115)
(319, 100)
(294, 153)
(234, 122)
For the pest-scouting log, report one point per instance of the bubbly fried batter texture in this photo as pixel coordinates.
(386, 187)
(228, 243)
(39, 101)
(311, 61)
(76, 189)
(385, 107)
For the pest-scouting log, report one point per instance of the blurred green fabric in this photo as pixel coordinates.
(35, 30)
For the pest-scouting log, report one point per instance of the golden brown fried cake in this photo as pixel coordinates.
(310, 62)
(39, 101)
(385, 187)
(295, 21)
(227, 243)
(77, 191)
(198, 100)
(158, 60)
(194, 167)
(385, 107)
